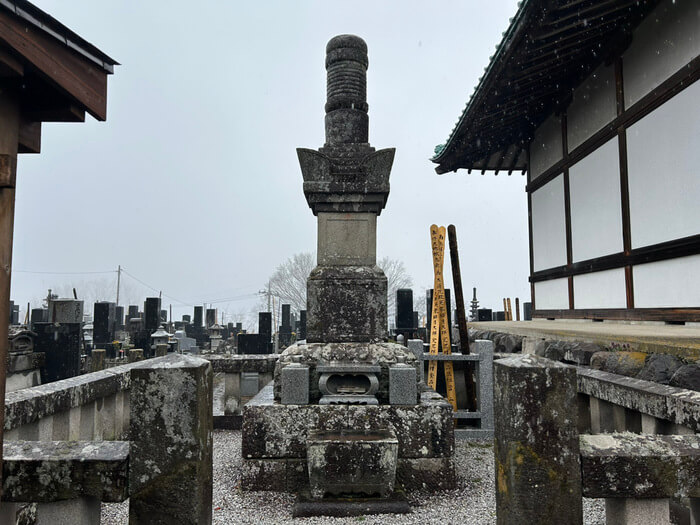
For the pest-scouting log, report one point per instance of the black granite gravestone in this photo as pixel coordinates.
(119, 318)
(14, 313)
(484, 314)
(152, 313)
(133, 313)
(103, 326)
(415, 320)
(39, 315)
(198, 316)
(186, 318)
(253, 344)
(61, 345)
(404, 308)
(265, 325)
(527, 311)
(163, 316)
(285, 330)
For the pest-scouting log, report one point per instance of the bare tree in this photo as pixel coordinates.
(288, 282)
(397, 278)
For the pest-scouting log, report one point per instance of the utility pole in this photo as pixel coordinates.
(119, 280)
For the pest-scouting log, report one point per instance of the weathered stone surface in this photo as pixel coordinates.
(426, 473)
(135, 354)
(233, 364)
(660, 368)
(640, 466)
(291, 475)
(29, 405)
(22, 361)
(661, 401)
(626, 363)
(97, 359)
(536, 447)
(352, 462)
(314, 355)
(170, 472)
(80, 511)
(599, 359)
(637, 511)
(305, 506)
(687, 376)
(273, 430)
(295, 385)
(580, 352)
(402, 384)
(346, 303)
(44, 471)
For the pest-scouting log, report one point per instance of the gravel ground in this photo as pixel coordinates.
(472, 502)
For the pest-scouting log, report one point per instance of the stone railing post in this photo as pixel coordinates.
(170, 470)
(97, 359)
(538, 469)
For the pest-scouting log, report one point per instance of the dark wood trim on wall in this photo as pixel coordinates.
(624, 182)
(626, 314)
(656, 252)
(667, 89)
(529, 231)
(567, 207)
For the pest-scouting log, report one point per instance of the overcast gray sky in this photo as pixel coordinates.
(192, 184)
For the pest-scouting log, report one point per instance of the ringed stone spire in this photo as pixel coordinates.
(346, 184)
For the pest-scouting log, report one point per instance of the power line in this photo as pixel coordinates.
(155, 289)
(62, 273)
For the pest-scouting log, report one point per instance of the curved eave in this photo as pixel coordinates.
(549, 48)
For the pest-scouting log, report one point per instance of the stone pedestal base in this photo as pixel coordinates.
(274, 442)
(346, 303)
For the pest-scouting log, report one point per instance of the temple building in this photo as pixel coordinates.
(597, 102)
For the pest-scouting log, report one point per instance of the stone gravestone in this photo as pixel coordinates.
(103, 326)
(152, 314)
(404, 309)
(133, 313)
(339, 432)
(119, 318)
(265, 326)
(285, 329)
(302, 326)
(61, 345)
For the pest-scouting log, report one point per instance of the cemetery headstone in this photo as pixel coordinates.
(152, 313)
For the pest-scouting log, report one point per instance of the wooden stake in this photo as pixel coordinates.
(510, 311)
(517, 309)
(461, 316)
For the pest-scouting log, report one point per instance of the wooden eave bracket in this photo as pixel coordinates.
(29, 137)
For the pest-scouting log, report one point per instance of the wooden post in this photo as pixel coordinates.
(517, 309)
(509, 317)
(505, 310)
(9, 134)
(461, 316)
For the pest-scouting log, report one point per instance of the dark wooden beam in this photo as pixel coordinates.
(66, 113)
(68, 71)
(10, 67)
(29, 137)
(624, 314)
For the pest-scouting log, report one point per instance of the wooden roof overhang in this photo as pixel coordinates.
(57, 75)
(549, 49)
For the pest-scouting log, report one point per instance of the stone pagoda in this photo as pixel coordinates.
(348, 414)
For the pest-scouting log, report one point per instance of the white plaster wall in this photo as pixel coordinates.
(546, 147)
(593, 106)
(663, 152)
(668, 284)
(548, 225)
(552, 295)
(596, 209)
(663, 43)
(604, 289)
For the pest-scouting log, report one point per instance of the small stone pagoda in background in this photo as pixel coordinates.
(348, 414)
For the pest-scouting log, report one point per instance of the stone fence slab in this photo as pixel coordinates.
(660, 401)
(234, 364)
(31, 404)
(640, 466)
(49, 471)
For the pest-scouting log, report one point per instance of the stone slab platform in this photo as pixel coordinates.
(305, 507)
(274, 440)
(275, 431)
(682, 341)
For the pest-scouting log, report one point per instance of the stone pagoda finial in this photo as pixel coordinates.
(346, 183)
(346, 174)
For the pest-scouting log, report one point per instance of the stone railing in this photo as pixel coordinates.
(243, 377)
(544, 465)
(60, 451)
